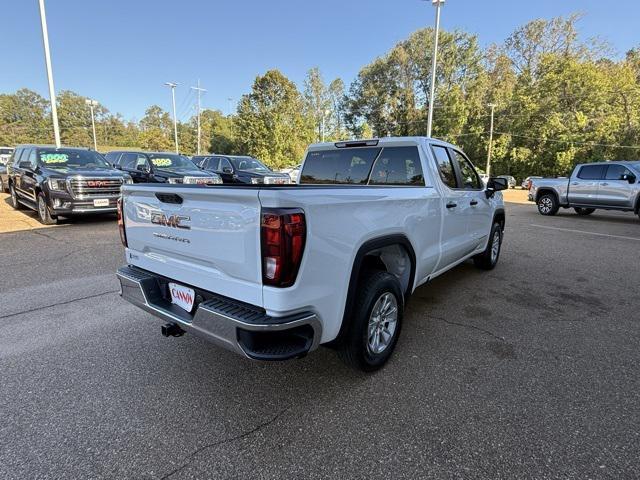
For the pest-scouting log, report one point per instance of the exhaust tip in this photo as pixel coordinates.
(171, 330)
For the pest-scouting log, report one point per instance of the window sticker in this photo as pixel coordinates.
(54, 158)
(161, 162)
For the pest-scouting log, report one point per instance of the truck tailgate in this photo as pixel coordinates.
(207, 237)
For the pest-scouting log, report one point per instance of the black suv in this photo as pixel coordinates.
(63, 181)
(159, 167)
(240, 169)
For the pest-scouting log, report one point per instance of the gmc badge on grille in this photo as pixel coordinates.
(173, 221)
(96, 183)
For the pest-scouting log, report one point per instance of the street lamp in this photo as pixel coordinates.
(47, 61)
(173, 86)
(92, 104)
(432, 93)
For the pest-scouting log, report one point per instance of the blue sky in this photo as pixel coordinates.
(121, 52)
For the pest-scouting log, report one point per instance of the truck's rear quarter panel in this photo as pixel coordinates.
(339, 221)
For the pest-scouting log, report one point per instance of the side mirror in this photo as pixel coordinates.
(629, 177)
(143, 168)
(227, 170)
(495, 184)
(26, 164)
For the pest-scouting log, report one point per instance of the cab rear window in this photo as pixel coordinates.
(362, 166)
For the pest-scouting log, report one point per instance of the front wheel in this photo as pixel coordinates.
(547, 204)
(15, 203)
(584, 211)
(376, 323)
(44, 215)
(488, 259)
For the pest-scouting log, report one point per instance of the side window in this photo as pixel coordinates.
(141, 160)
(128, 161)
(591, 172)
(224, 163)
(469, 178)
(397, 166)
(445, 167)
(16, 156)
(213, 163)
(32, 158)
(616, 171)
(112, 157)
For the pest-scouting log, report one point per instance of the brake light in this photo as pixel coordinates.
(283, 234)
(123, 234)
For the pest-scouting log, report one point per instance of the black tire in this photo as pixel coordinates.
(548, 204)
(14, 198)
(44, 215)
(355, 349)
(1, 186)
(584, 211)
(488, 259)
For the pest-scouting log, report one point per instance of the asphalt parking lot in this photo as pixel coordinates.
(527, 371)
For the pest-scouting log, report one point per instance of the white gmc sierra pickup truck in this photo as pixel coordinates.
(273, 271)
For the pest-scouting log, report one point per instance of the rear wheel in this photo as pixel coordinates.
(584, 211)
(376, 323)
(44, 215)
(14, 198)
(547, 204)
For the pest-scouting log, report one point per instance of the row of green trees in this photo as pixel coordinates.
(559, 100)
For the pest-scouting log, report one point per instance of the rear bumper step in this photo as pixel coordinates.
(241, 328)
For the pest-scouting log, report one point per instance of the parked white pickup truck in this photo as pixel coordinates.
(273, 271)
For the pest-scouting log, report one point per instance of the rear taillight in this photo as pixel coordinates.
(283, 234)
(123, 234)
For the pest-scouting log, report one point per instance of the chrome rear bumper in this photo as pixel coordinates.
(243, 329)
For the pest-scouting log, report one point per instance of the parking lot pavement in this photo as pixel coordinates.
(16, 220)
(527, 371)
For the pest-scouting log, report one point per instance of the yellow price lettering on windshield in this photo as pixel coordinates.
(54, 158)
(161, 162)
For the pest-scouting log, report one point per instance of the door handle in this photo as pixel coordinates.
(604, 184)
(473, 202)
(575, 183)
(452, 205)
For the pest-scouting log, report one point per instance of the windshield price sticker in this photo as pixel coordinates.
(161, 162)
(54, 158)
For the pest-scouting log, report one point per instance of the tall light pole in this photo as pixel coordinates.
(47, 60)
(173, 86)
(92, 104)
(488, 170)
(434, 61)
(199, 91)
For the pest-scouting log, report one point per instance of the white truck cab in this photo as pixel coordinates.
(273, 271)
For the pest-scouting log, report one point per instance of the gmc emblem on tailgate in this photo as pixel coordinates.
(173, 221)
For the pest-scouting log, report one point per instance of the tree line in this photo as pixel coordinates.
(559, 100)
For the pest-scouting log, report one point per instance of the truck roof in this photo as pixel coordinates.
(384, 141)
(36, 145)
(607, 162)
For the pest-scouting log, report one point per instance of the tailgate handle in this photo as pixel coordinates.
(169, 198)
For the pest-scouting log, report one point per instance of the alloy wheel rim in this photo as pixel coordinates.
(545, 205)
(382, 323)
(495, 247)
(41, 208)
